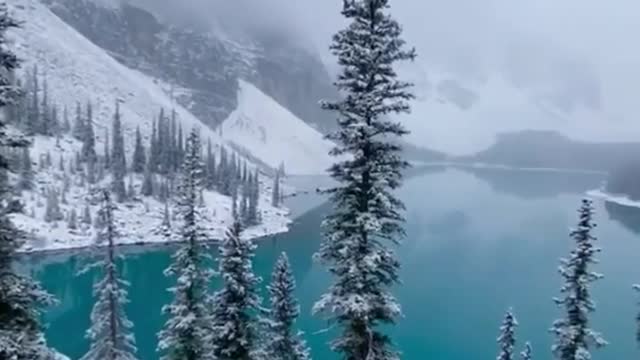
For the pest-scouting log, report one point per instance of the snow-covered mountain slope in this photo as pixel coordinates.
(139, 220)
(274, 135)
(77, 70)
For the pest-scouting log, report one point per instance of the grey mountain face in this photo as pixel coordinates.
(201, 67)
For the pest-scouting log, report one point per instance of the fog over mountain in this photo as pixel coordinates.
(484, 67)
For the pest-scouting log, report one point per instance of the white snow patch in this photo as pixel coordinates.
(79, 71)
(274, 135)
(614, 198)
(139, 221)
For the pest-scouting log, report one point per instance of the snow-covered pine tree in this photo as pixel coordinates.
(66, 124)
(153, 148)
(89, 139)
(21, 336)
(282, 341)
(61, 164)
(275, 191)
(527, 353)
(131, 191)
(235, 327)
(118, 162)
(366, 215)
(573, 336)
(105, 150)
(26, 171)
(507, 338)
(211, 167)
(44, 127)
(33, 116)
(72, 224)
(139, 156)
(78, 124)
(186, 334)
(110, 332)
(86, 215)
(147, 181)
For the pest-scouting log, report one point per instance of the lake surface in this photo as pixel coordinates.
(477, 243)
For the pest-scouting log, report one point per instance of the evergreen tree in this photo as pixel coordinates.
(88, 151)
(153, 148)
(73, 220)
(147, 181)
(61, 164)
(507, 338)
(282, 341)
(574, 337)
(131, 192)
(44, 127)
(366, 215)
(21, 298)
(26, 171)
(235, 328)
(66, 124)
(55, 123)
(110, 332)
(118, 163)
(33, 117)
(139, 157)
(52, 209)
(275, 191)
(86, 215)
(186, 333)
(78, 131)
(106, 151)
(636, 287)
(527, 353)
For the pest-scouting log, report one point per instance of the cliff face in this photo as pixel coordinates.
(201, 67)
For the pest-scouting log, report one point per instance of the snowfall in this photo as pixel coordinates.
(78, 70)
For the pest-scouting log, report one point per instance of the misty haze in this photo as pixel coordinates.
(319, 179)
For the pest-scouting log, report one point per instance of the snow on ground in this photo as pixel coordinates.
(139, 221)
(614, 198)
(79, 71)
(274, 135)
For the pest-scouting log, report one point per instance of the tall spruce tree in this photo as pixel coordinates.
(366, 215)
(106, 151)
(235, 327)
(21, 336)
(118, 162)
(110, 332)
(282, 341)
(78, 131)
(186, 334)
(139, 156)
(26, 171)
(89, 139)
(507, 338)
(573, 336)
(66, 124)
(275, 191)
(33, 116)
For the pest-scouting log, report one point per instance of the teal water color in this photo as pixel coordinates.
(477, 243)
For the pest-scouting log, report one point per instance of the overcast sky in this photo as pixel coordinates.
(585, 49)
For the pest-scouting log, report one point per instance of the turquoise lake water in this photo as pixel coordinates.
(477, 243)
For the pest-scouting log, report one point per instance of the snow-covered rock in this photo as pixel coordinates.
(274, 135)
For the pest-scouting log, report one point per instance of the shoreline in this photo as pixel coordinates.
(619, 199)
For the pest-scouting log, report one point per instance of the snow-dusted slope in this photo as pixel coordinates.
(274, 135)
(78, 70)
